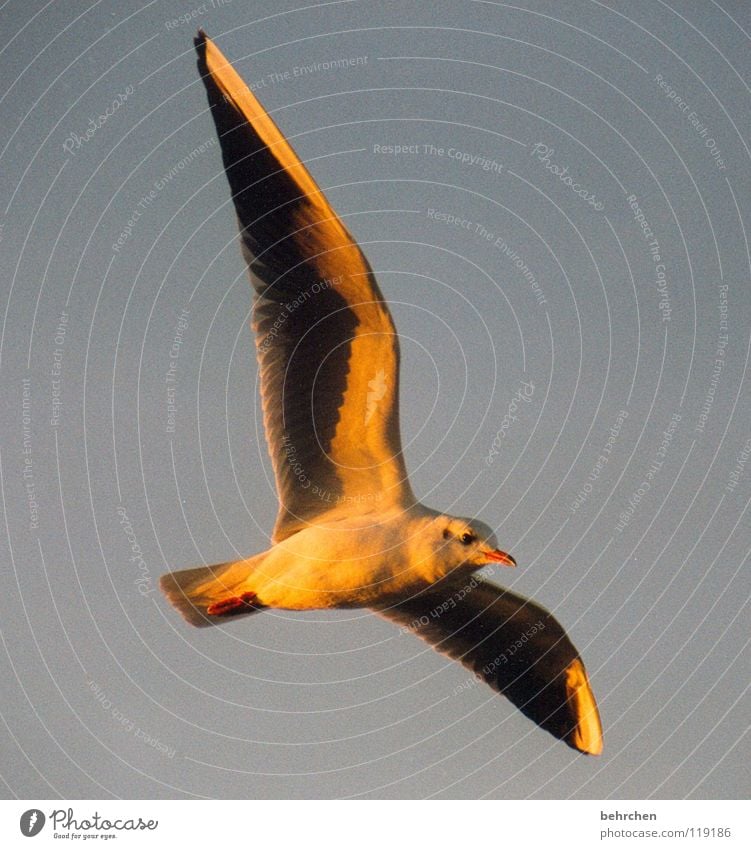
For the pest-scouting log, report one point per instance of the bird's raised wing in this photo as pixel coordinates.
(512, 644)
(327, 349)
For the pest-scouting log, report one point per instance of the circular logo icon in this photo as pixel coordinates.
(32, 822)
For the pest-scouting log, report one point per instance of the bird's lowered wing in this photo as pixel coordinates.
(512, 644)
(327, 349)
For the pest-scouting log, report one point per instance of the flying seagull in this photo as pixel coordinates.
(349, 532)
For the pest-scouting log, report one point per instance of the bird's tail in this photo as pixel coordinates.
(210, 595)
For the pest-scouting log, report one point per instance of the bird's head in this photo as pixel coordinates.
(469, 542)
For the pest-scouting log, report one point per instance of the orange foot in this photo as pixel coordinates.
(232, 606)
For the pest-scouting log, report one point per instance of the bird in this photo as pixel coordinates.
(349, 532)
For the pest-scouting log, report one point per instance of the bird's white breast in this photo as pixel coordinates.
(351, 562)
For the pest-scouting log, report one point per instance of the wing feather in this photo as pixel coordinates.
(515, 646)
(327, 348)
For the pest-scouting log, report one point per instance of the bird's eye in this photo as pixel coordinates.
(466, 538)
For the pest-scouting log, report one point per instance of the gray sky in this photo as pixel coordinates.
(621, 294)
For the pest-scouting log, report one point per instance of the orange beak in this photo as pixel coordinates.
(497, 556)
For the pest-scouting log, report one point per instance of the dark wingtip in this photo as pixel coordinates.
(200, 40)
(200, 44)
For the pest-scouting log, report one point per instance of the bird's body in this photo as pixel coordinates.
(350, 532)
(376, 556)
(360, 560)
